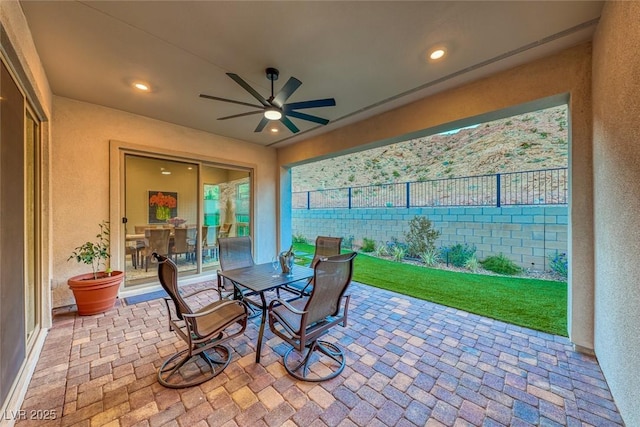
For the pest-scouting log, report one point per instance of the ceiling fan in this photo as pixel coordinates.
(274, 107)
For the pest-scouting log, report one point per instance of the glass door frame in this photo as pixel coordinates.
(118, 152)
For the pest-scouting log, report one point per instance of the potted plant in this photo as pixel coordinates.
(95, 292)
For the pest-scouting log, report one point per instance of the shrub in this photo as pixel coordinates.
(559, 263)
(472, 264)
(368, 245)
(500, 264)
(347, 242)
(421, 236)
(457, 254)
(430, 257)
(398, 253)
(381, 250)
(299, 238)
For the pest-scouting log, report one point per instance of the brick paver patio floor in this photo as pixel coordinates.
(410, 363)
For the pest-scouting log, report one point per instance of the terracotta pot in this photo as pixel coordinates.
(95, 296)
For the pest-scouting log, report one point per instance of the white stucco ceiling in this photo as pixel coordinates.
(369, 56)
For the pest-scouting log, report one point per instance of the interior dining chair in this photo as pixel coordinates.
(325, 247)
(303, 321)
(209, 244)
(224, 230)
(155, 240)
(205, 330)
(181, 245)
(235, 252)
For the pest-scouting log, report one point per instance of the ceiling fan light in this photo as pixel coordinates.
(272, 114)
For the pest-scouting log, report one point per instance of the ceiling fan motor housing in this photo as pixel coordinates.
(272, 73)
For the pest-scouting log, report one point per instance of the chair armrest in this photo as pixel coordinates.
(288, 306)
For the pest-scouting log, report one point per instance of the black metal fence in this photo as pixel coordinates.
(539, 187)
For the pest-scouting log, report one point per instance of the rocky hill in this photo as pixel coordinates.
(527, 142)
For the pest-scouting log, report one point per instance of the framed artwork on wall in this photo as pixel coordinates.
(163, 205)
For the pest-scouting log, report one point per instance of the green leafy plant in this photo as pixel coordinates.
(381, 250)
(299, 238)
(347, 242)
(398, 253)
(559, 263)
(472, 264)
(421, 236)
(430, 257)
(368, 245)
(95, 253)
(500, 264)
(457, 254)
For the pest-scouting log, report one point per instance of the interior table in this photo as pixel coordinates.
(260, 278)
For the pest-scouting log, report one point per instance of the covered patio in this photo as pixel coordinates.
(410, 362)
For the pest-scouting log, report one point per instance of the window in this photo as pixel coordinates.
(211, 205)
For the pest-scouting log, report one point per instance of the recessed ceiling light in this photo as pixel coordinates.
(274, 130)
(437, 53)
(165, 173)
(142, 86)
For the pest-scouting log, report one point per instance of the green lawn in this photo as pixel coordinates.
(535, 304)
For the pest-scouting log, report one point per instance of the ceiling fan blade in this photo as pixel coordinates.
(249, 89)
(262, 124)
(250, 113)
(289, 124)
(291, 86)
(329, 102)
(215, 98)
(308, 117)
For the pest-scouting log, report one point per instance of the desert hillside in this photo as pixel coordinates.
(527, 142)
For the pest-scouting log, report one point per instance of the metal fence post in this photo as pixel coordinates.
(349, 197)
(308, 199)
(408, 195)
(498, 190)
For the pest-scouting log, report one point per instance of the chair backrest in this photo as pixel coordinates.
(180, 240)
(225, 229)
(235, 252)
(331, 278)
(205, 236)
(168, 276)
(326, 247)
(158, 240)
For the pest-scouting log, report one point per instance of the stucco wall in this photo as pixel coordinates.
(81, 192)
(566, 73)
(616, 136)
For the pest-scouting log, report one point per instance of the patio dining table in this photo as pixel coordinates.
(259, 279)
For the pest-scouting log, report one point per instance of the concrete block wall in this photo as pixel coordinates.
(526, 234)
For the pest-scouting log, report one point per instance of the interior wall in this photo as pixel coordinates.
(81, 183)
(616, 137)
(567, 73)
(143, 175)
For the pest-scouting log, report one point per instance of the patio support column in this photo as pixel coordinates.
(283, 210)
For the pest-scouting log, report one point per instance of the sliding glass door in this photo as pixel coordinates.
(179, 208)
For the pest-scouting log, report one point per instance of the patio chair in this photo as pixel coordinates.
(235, 252)
(204, 330)
(325, 247)
(302, 322)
